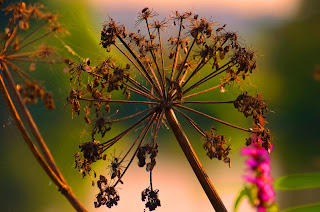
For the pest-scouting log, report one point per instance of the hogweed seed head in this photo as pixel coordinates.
(16, 48)
(165, 82)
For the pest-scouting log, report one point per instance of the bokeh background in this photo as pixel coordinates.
(286, 37)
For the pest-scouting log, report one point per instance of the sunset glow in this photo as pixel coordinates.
(244, 8)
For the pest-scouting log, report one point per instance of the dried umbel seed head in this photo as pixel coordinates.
(102, 124)
(16, 46)
(108, 195)
(164, 85)
(91, 151)
(251, 106)
(150, 149)
(30, 91)
(152, 198)
(217, 147)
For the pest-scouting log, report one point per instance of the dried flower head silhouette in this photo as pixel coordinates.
(27, 26)
(10, 54)
(166, 84)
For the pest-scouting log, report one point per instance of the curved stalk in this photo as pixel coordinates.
(194, 162)
(63, 187)
(32, 125)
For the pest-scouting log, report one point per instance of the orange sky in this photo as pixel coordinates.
(244, 8)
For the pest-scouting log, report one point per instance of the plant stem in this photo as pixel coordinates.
(63, 187)
(32, 125)
(194, 162)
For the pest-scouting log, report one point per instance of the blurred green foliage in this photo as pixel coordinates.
(298, 181)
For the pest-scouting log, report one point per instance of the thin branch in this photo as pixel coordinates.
(32, 125)
(20, 72)
(134, 143)
(198, 68)
(37, 61)
(193, 123)
(135, 65)
(177, 51)
(155, 77)
(215, 119)
(201, 92)
(205, 102)
(21, 55)
(131, 116)
(137, 91)
(139, 86)
(118, 101)
(185, 59)
(140, 64)
(156, 129)
(34, 31)
(31, 42)
(162, 63)
(8, 41)
(151, 180)
(154, 58)
(210, 76)
(135, 153)
(63, 187)
(115, 139)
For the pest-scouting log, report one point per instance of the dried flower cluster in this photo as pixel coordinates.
(108, 195)
(13, 46)
(166, 82)
(255, 107)
(216, 147)
(152, 197)
(259, 174)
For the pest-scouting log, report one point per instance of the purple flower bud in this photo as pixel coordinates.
(259, 168)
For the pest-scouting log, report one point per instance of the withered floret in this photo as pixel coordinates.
(108, 195)
(152, 198)
(217, 147)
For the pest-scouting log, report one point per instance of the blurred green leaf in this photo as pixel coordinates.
(273, 208)
(304, 208)
(249, 192)
(298, 181)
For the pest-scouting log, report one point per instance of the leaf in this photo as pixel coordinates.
(304, 208)
(249, 192)
(273, 208)
(298, 181)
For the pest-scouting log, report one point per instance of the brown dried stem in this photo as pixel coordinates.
(63, 187)
(194, 162)
(32, 125)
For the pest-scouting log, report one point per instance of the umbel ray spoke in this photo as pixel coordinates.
(117, 101)
(215, 119)
(131, 116)
(193, 123)
(205, 102)
(148, 125)
(148, 77)
(135, 65)
(201, 92)
(134, 143)
(115, 139)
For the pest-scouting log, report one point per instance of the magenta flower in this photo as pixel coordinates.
(259, 174)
